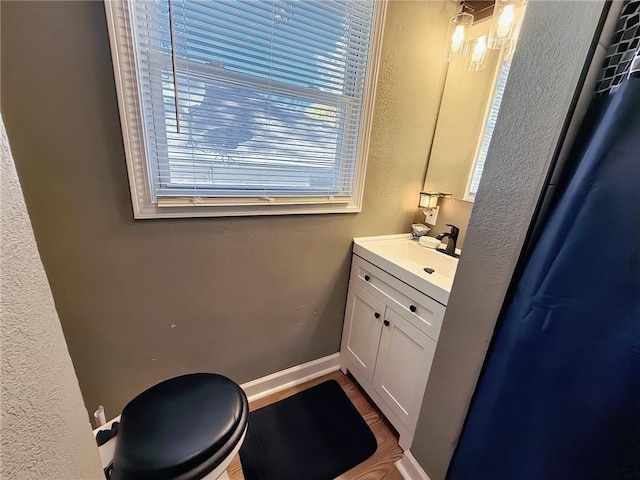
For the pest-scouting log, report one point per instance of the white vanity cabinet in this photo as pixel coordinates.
(366, 314)
(402, 367)
(388, 342)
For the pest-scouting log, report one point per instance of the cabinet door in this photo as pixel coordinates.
(402, 368)
(364, 321)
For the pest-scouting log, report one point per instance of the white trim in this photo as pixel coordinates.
(144, 207)
(152, 210)
(375, 56)
(255, 390)
(276, 382)
(409, 468)
(485, 118)
(132, 135)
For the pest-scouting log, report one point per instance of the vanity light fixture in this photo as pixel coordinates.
(503, 25)
(429, 205)
(428, 200)
(456, 41)
(477, 58)
(503, 33)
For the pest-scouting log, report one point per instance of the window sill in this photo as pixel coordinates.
(151, 211)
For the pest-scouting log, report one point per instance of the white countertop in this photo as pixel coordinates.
(405, 259)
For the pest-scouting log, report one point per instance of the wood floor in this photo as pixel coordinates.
(379, 466)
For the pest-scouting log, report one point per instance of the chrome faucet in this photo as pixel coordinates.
(451, 242)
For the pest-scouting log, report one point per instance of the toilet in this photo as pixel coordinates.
(185, 428)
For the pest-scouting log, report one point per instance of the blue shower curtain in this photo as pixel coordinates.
(559, 397)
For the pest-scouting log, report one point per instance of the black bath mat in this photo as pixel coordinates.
(316, 434)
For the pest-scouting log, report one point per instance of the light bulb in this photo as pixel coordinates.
(456, 33)
(479, 49)
(505, 20)
(457, 38)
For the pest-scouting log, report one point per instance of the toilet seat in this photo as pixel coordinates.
(180, 429)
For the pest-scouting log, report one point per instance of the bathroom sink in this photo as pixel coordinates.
(406, 260)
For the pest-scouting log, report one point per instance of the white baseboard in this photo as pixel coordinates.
(276, 382)
(409, 468)
(256, 389)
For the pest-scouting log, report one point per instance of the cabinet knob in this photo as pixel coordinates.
(377, 315)
(413, 308)
(367, 278)
(386, 323)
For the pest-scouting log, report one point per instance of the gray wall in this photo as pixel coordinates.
(140, 301)
(45, 430)
(552, 50)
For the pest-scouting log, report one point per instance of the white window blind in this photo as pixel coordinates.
(236, 103)
(488, 129)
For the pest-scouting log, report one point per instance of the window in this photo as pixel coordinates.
(235, 107)
(488, 129)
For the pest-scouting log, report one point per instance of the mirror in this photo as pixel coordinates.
(468, 110)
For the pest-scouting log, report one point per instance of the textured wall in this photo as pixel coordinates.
(45, 430)
(553, 47)
(410, 81)
(140, 301)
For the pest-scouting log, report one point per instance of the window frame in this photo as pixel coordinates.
(127, 88)
(504, 61)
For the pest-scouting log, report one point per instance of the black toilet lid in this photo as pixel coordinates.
(177, 427)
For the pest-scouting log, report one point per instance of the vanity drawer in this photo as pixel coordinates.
(422, 311)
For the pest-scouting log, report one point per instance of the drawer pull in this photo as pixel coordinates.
(386, 323)
(413, 308)
(377, 315)
(367, 278)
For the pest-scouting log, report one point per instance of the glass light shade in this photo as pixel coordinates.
(477, 57)
(456, 41)
(503, 24)
(428, 200)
